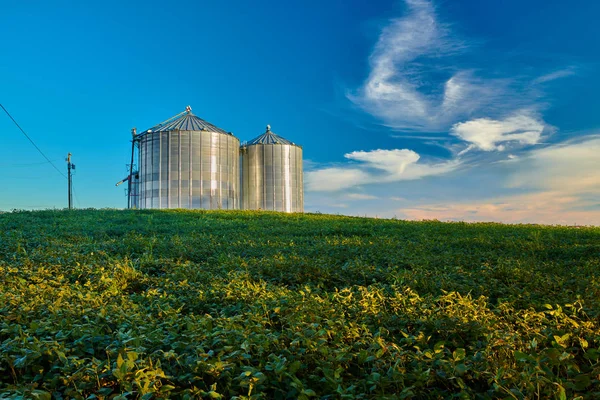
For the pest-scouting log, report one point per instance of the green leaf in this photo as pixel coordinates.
(105, 391)
(520, 356)
(592, 354)
(560, 340)
(438, 347)
(460, 369)
(294, 367)
(459, 354)
(166, 388)
(41, 394)
(562, 394)
(132, 356)
(582, 381)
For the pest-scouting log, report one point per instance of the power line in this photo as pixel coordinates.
(34, 145)
(24, 164)
(76, 198)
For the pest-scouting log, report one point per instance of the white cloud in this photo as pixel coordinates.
(488, 134)
(554, 184)
(401, 164)
(419, 137)
(563, 73)
(332, 179)
(543, 208)
(377, 166)
(419, 79)
(392, 161)
(563, 184)
(361, 196)
(395, 90)
(572, 168)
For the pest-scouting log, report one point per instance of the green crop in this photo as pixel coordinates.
(104, 304)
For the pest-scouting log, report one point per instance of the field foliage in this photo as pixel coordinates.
(104, 304)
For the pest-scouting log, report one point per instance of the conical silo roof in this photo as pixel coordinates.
(186, 121)
(270, 138)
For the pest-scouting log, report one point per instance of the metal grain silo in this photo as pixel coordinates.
(186, 162)
(272, 174)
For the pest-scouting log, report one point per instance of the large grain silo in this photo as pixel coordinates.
(186, 162)
(272, 174)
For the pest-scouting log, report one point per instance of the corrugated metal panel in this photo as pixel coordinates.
(272, 177)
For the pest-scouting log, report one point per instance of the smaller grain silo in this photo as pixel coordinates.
(271, 174)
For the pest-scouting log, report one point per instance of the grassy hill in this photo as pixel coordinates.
(190, 304)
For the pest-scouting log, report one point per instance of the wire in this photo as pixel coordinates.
(24, 164)
(25, 207)
(34, 145)
(75, 194)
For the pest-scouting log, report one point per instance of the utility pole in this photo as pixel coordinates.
(69, 178)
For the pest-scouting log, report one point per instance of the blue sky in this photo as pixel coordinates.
(455, 110)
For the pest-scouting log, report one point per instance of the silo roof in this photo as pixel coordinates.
(185, 121)
(270, 138)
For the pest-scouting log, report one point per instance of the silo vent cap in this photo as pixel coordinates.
(269, 138)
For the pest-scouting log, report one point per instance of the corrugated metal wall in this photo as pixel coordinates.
(272, 178)
(189, 169)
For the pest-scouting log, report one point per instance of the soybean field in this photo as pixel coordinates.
(155, 304)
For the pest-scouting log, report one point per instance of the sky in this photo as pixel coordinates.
(413, 109)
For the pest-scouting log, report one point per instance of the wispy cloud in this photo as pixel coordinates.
(489, 134)
(361, 196)
(572, 167)
(419, 137)
(397, 89)
(420, 86)
(420, 79)
(562, 184)
(334, 178)
(562, 73)
(551, 184)
(377, 166)
(543, 208)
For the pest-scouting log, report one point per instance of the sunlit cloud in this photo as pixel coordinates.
(422, 86)
(553, 208)
(488, 134)
(392, 161)
(553, 184)
(572, 167)
(377, 166)
(563, 181)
